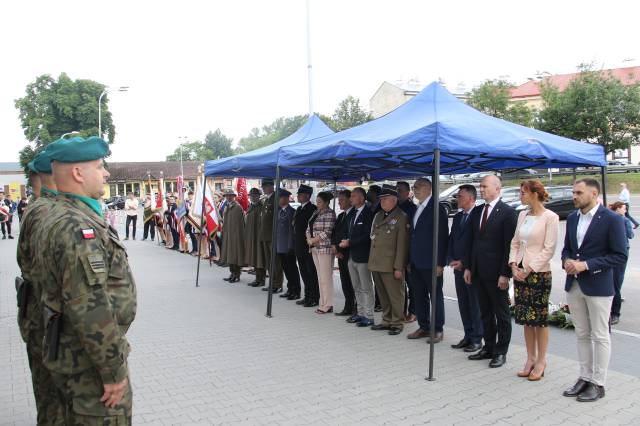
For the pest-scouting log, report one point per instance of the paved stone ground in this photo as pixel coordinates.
(208, 355)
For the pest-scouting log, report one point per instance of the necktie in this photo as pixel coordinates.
(463, 222)
(485, 214)
(351, 222)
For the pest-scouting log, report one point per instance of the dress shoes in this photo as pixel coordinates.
(377, 327)
(275, 290)
(377, 308)
(234, 279)
(302, 301)
(353, 319)
(473, 347)
(311, 304)
(615, 319)
(576, 389)
(418, 334)
(394, 330)
(365, 322)
(437, 337)
(480, 355)
(591, 393)
(345, 313)
(498, 361)
(461, 344)
(256, 284)
(285, 295)
(409, 318)
(293, 297)
(229, 278)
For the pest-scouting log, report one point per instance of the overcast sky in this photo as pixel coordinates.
(194, 66)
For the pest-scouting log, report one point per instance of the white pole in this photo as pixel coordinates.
(309, 67)
(104, 92)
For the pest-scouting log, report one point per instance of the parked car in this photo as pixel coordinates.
(115, 202)
(617, 162)
(449, 198)
(560, 201)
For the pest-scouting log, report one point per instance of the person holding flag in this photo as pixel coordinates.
(233, 240)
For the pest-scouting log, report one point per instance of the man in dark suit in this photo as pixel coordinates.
(595, 243)
(285, 255)
(486, 264)
(340, 232)
(409, 207)
(305, 260)
(421, 261)
(467, 294)
(358, 242)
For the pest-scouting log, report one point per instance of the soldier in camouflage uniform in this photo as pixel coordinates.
(90, 300)
(48, 402)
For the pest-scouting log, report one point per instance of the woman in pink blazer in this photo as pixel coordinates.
(532, 248)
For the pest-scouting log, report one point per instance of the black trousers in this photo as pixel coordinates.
(628, 215)
(149, 227)
(176, 238)
(6, 227)
(421, 282)
(347, 286)
(309, 277)
(288, 265)
(129, 220)
(618, 279)
(409, 298)
(494, 311)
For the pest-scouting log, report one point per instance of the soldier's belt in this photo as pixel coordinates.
(53, 324)
(22, 291)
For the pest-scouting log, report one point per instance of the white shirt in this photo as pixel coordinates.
(358, 211)
(525, 228)
(624, 196)
(490, 207)
(421, 207)
(584, 220)
(131, 207)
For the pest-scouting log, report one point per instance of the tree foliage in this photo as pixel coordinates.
(51, 108)
(348, 114)
(216, 145)
(277, 130)
(493, 97)
(594, 107)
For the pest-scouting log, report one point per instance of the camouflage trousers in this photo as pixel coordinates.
(82, 393)
(48, 400)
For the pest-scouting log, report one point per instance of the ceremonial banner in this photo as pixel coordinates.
(243, 197)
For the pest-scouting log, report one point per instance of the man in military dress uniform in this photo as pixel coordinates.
(89, 299)
(253, 255)
(266, 230)
(49, 405)
(388, 258)
(305, 260)
(233, 237)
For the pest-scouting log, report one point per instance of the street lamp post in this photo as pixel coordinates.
(104, 92)
(181, 168)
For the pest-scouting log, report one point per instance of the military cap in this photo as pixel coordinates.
(255, 191)
(283, 193)
(229, 192)
(375, 188)
(388, 190)
(267, 181)
(42, 163)
(305, 189)
(77, 150)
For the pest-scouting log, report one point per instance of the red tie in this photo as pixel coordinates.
(485, 214)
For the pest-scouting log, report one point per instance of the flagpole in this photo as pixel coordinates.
(309, 67)
(202, 220)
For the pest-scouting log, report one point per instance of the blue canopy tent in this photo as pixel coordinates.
(434, 133)
(262, 162)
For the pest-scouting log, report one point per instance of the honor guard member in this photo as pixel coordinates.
(89, 298)
(303, 254)
(253, 255)
(233, 237)
(50, 409)
(266, 229)
(388, 258)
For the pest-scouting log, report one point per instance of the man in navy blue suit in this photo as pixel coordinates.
(467, 296)
(421, 261)
(595, 243)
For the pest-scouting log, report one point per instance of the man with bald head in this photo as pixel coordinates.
(89, 298)
(486, 263)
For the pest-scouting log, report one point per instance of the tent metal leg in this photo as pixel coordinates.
(603, 174)
(273, 243)
(435, 194)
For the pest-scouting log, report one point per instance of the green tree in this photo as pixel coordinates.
(191, 151)
(594, 107)
(274, 132)
(348, 114)
(216, 145)
(51, 108)
(493, 98)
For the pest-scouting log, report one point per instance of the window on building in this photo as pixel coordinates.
(218, 186)
(112, 189)
(121, 189)
(146, 189)
(136, 189)
(167, 187)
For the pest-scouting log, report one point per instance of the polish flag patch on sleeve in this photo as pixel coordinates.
(88, 234)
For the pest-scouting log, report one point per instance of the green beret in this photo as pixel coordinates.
(77, 150)
(42, 163)
(31, 167)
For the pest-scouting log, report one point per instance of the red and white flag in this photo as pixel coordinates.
(242, 197)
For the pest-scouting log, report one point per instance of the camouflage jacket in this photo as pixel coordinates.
(92, 286)
(37, 211)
